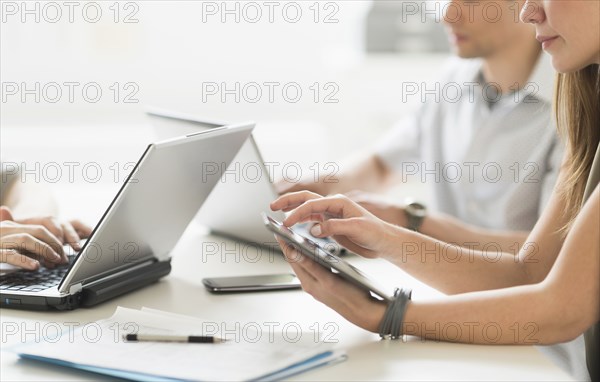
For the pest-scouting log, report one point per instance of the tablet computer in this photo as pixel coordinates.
(324, 258)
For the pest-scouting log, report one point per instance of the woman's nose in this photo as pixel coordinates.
(532, 12)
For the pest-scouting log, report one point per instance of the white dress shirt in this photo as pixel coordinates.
(493, 165)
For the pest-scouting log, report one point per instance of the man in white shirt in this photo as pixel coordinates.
(488, 149)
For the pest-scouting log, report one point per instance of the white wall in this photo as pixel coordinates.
(175, 49)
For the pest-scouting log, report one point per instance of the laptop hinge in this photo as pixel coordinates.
(75, 288)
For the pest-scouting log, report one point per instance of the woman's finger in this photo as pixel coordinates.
(290, 201)
(289, 251)
(334, 206)
(304, 264)
(303, 268)
(83, 230)
(348, 232)
(306, 279)
(13, 257)
(354, 234)
(5, 213)
(315, 270)
(338, 227)
(294, 258)
(24, 242)
(355, 248)
(71, 237)
(37, 231)
(50, 223)
(312, 218)
(316, 279)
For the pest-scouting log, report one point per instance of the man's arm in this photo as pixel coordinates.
(455, 270)
(378, 167)
(443, 227)
(451, 230)
(368, 173)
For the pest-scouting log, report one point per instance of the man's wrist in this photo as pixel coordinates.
(415, 215)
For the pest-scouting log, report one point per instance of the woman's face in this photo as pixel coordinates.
(569, 31)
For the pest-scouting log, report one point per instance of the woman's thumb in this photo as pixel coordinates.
(5, 214)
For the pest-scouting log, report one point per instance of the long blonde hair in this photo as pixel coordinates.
(577, 108)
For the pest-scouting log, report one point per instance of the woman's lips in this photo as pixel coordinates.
(546, 40)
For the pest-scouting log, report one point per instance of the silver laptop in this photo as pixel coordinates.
(234, 208)
(130, 246)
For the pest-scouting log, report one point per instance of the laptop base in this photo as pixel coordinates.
(93, 295)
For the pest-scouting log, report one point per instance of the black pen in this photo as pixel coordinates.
(172, 338)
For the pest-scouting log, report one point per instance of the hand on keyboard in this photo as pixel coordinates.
(28, 242)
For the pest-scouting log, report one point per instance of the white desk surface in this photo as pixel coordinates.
(369, 358)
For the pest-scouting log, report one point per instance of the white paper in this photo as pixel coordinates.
(101, 345)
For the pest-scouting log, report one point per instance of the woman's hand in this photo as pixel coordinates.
(348, 223)
(67, 232)
(26, 242)
(285, 187)
(353, 303)
(380, 207)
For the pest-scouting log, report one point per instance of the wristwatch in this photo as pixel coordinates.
(415, 214)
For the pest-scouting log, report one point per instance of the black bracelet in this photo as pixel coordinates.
(391, 324)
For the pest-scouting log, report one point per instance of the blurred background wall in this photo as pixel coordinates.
(322, 79)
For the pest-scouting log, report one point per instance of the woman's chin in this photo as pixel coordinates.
(567, 65)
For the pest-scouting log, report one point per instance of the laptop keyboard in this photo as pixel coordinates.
(27, 281)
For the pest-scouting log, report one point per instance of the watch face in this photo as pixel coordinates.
(417, 209)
